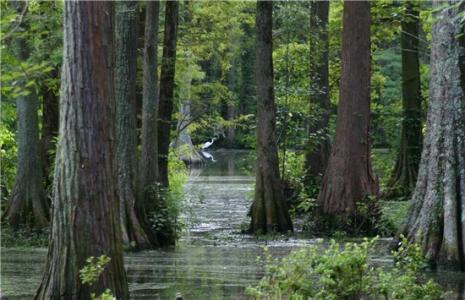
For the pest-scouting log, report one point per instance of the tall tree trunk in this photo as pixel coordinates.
(50, 120)
(319, 146)
(125, 93)
(405, 172)
(27, 205)
(168, 66)
(85, 202)
(269, 210)
(148, 164)
(437, 218)
(149, 150)
(349, 179)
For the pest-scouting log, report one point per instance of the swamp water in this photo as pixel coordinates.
(212, 259)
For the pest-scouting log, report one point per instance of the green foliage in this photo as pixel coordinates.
(395, 212)
(43, 21)
(94, 267)
(298, 192)
(91, 272)
(367, 221)
(41, 29)
(8, 154)
(23, 237)
(165, 217)
(178, 177)
(301, 194)
(208, 67)
(335, 273)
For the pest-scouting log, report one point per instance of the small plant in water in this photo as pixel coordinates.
(345, 273)
(91, 272)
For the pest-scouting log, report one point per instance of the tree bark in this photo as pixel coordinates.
(404, 175)
(167, 89)
(437, 218)
(27, 205)
(349, 180)
(50, 120)
(319, 145)
(85, 202)
(125, 92)
(149, 150)
(269, 210)
(149, 170)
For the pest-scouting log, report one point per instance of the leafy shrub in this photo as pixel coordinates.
(91, 272)
(165, 217)
(8, 154)
(299, 193)
(335, 273)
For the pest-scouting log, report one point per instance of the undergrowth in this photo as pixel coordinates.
(345, 272)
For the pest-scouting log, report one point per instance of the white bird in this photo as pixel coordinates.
(207, 155)
(208, 144)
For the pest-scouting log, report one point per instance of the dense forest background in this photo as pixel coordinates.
(353, 112)
(215, 61)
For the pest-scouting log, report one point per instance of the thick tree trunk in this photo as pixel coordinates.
(27, 205)
(148, 162)
(319, 146)
(269, 210)
(50, 121)
(125, 93)
(167, 89)
(349, 179)
(437, 218)
(405, 172)
(85, 203)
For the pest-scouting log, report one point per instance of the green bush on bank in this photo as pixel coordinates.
(165, 218)
(336, 273)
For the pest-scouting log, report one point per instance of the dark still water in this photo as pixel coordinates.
(212, 259)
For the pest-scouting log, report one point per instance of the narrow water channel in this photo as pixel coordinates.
(212, 259)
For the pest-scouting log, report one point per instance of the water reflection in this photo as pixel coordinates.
(212, 260)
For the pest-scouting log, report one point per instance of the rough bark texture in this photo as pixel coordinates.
(405, 172)
(50, 121)
(85, 203)
(125, 92)
(319, 144)
(27, 205)
(437, 217)
(149, 151)
(167, 88)
(148, 164)
(349, 178)
(269, 210)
